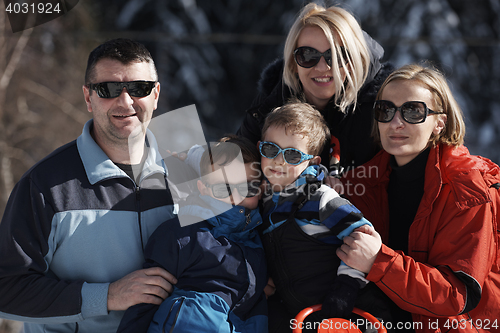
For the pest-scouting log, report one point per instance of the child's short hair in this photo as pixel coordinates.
(300, 118)
(226, 150)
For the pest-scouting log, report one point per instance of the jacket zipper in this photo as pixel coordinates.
(281, 271)
(247, 215)
(138, 208)
(138, 203)
(181, 299)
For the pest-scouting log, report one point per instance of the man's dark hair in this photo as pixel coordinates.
(124, 50)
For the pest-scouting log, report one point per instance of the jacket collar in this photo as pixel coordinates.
(445, 165)
(316, 172)
(236, 223)
(432, 184)
(98, 166)
(470, 176)
(466, 174)
(311, 173)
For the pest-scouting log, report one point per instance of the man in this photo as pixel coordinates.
(74, 229)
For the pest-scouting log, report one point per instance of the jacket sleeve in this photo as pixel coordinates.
(28, 292)
(137, 318)
(338, 214)
(446, 278)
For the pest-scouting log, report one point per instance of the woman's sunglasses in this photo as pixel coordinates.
(290, 155)
(222, 190)
(308, 57)
(114, 89)
(412, 112)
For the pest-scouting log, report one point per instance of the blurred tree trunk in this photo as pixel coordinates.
(10, 53)
(41, 104)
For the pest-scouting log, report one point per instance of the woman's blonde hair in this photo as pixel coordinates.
(433, 80)
(341, 29)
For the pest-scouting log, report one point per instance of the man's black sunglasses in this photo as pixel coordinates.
(114, 89)
(412, 112)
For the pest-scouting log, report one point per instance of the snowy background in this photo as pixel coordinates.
(211, 53)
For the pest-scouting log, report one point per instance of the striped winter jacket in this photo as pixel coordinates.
(324, 216)
(300, 250)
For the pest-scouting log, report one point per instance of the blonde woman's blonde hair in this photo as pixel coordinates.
(341, 29)
(433, 80)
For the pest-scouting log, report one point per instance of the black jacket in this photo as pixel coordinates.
(353, 129)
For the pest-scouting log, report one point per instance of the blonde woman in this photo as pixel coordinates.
(435, 207)
(329, 62)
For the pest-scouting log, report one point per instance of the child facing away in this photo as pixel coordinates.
(213, 249)
(304, 221)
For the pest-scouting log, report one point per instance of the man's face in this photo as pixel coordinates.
(119, 119)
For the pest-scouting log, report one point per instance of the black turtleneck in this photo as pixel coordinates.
(405, 191)
(134, 171)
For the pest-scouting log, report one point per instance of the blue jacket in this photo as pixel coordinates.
(221, 271)
(74, 223)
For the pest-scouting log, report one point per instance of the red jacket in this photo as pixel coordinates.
(453, 242)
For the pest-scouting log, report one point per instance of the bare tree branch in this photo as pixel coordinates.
(7, 176)
(57, 100)
(19, 154)
(13, 62)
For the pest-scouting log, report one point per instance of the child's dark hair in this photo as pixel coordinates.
(124, 50)
(226, 150)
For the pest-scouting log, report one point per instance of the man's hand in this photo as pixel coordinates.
(150, 285)
(360, 248)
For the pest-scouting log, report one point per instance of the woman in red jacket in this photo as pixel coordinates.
(435, 207)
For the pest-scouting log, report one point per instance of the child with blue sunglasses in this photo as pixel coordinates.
(304, 221)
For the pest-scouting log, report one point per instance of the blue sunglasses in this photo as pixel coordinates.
(290, 155)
